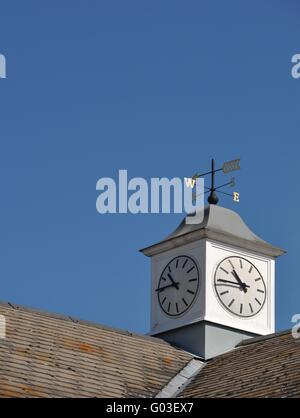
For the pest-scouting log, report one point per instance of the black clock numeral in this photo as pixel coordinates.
(193, 280)
(177, 310)
(230, 262)
(241, 309)
(185, 302)
(241, 263)
(258, 301)
(191, 292)
(164, 279)
(225, 271)
(192, 268)
(250, 269)
(169, 306)
(258, 279)
(164, 299)
(184, 264)
(231, 303)
(169, 268)
(250, 306)
(224, 293)
(260, 291)
(177, 261)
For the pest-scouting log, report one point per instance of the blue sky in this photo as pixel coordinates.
(157, 88)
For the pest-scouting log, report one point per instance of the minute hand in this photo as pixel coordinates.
(228, 281)
(159, 289)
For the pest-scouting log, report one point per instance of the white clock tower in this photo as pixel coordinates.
(213, 284)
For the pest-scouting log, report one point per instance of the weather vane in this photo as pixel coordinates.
(227, 167)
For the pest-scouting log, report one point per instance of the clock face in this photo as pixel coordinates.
(240, 287)
(178, 286)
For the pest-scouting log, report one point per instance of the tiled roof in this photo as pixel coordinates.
(262, 367)
(46, 355)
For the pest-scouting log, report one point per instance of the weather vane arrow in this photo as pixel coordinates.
(227, 167)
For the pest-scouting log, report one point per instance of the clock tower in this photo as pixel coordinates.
(212, 284)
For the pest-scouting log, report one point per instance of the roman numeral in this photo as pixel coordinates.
(225, 271)
(192, 268)
(185, 302)
(184, 263)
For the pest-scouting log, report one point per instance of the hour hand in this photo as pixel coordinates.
(243, 285)
(235, 275)
(173, 281)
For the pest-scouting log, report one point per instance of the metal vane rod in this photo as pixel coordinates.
(213, 198)
(227, 194)
(230, 183)
(227, 167)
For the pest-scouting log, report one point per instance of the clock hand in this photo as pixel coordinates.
(234, 273)
(243, 285)
(165, 287)
(228, 281)
(175, 284)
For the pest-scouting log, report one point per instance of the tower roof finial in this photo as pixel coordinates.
(227, 167)
(213, 198)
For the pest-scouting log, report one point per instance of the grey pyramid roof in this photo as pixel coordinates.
(219, 224)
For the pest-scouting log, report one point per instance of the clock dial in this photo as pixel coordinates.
(178, 286)
(240, 287)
